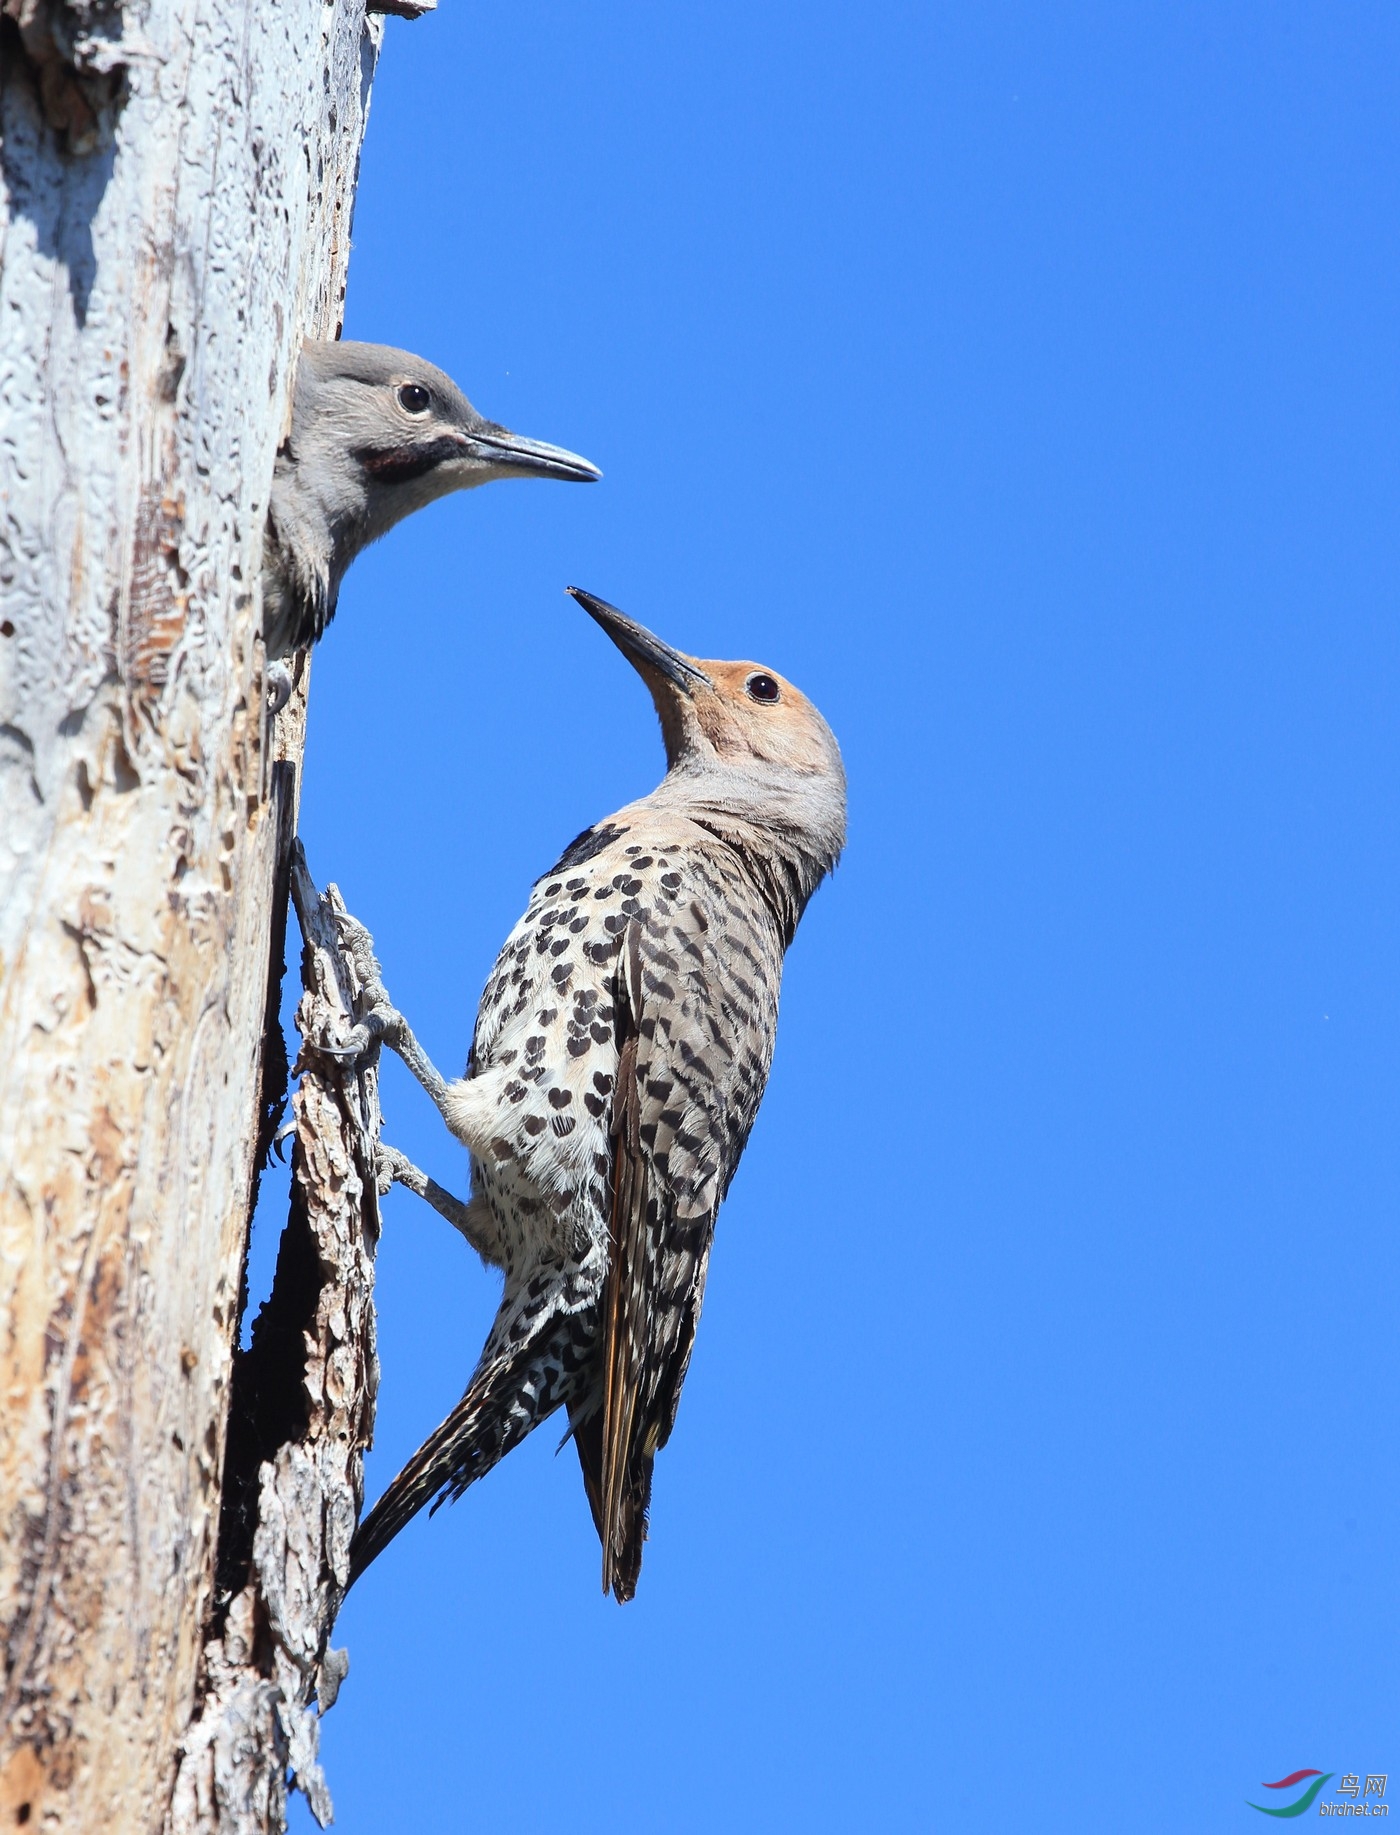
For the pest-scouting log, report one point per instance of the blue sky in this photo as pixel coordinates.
(1022, 382)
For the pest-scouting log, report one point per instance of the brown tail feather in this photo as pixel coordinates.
(622, 1545)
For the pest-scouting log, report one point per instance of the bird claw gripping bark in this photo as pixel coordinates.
(380, 1023)
(379, 1019)
(278, 683)
(390, 1165)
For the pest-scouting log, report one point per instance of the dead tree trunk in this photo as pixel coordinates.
(176, 182)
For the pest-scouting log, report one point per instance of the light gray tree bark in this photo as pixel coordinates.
(176, 184)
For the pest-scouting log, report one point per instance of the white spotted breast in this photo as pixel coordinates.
(711, 961)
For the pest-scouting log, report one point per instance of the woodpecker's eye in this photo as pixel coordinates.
(414, 398)
(763, 688)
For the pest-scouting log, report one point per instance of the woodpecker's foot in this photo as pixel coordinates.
(278, 682)
(378, 1019)
(381, 1023)
(358, 946)
(473, 1220)
(392, 1167)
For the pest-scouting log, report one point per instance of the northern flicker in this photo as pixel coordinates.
(621, 1050)
(376, 434)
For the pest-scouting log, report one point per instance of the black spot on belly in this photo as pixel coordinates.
(560, 1099)
(534, 1124)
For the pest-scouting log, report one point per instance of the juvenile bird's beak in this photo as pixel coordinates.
(639, 646)
(532, 458)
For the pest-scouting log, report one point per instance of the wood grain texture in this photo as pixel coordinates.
(153, 290)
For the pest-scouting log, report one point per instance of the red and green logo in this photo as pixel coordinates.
(1299, 1804)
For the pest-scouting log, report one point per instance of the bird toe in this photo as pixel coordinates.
(278, 683)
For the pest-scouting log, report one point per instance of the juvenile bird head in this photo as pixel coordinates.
(376, 434)
(407, 430)
(747, 753)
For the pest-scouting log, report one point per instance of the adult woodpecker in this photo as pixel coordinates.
(621, 1051)
(376, 434)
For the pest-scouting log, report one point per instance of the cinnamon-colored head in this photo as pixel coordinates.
(739, 736)
(738, 713)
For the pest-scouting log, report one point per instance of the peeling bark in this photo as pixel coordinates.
(303, 1414)
(159, 265)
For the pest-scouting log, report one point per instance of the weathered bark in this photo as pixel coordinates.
(174, 217)
(303, 1413)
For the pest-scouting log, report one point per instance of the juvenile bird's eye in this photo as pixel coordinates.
(414, 398)
(762, 688)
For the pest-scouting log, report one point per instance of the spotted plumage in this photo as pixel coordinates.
(621, 1050)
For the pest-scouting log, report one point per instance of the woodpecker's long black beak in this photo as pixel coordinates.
(639, 646)
(531, 458)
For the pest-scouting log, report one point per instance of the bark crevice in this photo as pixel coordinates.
(302, 1416)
